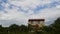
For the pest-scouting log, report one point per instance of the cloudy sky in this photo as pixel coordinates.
(19, 11)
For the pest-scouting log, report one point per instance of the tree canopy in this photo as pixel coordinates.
(54, 28)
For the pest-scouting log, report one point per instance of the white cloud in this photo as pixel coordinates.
(58, 6)
(50, 14)
(28, 3)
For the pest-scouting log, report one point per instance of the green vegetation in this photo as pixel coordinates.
(22, 29)
(53, 28)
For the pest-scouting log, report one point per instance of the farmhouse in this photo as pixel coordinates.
(35, 24)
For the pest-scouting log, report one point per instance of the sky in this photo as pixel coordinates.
(19, 11)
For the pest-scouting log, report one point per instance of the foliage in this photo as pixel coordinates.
(22, 29)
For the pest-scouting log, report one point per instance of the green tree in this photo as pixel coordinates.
(1, 28)
(56, 26)
(23, 28)
(14, 28)
(53, 28)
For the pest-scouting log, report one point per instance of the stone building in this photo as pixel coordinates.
(35, 24)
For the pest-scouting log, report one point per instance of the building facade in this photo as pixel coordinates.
(35, 24)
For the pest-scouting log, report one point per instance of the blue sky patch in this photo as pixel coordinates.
(50, 5)
(1, 7)
(5, 1)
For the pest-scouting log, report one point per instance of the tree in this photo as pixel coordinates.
(23, 28)
(56, 26)
(1, 28)
(14, 28)
(53, 28)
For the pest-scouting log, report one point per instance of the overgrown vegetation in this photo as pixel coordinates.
(16, 29)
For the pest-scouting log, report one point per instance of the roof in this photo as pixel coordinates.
(36, 20)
